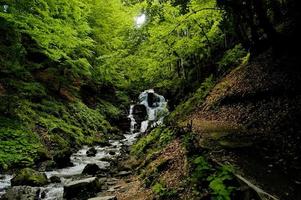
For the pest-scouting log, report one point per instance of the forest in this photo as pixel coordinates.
(150, 99)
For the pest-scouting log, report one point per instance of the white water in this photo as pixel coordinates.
(67, 175)
(133, 121)
(156, 114)
(4, 183)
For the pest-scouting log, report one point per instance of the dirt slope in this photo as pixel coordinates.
(252, 119)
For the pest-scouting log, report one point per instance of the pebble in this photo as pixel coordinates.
(104, 198)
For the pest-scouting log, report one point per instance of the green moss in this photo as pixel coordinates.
(186, 107)
(18, 146)
(233, 57)
(163, 192)
(29, 177)
(156, 139)
(48, 124)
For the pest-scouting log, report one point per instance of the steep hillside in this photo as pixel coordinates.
(251, 119)
(232, 138)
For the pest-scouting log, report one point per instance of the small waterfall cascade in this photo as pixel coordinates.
(133, 121)
(155, 107)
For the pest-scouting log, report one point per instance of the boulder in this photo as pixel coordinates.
(152, 99)
(82, 189)
(21, 193)
(62, 158)
(91, 152)
(103, 143)
(124, 173)
(29, 177)
(139, 113)
(91, 169)
(104, 198)
(123, 123)
(47, 165)
(55, 179)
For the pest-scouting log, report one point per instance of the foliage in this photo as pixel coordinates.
(217, 179)
(232, 58)
(201, 169)
(157, 138)
(163, 192)
(217, 183)
(19, 146)
(186, 107)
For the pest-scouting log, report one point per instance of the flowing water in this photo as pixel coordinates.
(155, 115)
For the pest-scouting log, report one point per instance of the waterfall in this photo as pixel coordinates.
(156, 108)
(133, 121)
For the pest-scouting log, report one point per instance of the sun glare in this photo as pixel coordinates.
(140, 20)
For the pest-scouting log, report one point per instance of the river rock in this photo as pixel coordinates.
(104, 198)
(21, 193)
(139, 113)
(29, 177)
(82, 189)
(124, 173)
(103, 143)
(91, 169)
(55, 179)
(152, 99)
(91, 152)
(62, 158)
(123, 123)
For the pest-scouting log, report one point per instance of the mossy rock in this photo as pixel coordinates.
(30, 177)
(62, 158)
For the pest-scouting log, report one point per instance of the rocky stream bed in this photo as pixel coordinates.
(95, 170)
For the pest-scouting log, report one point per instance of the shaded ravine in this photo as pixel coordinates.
(155, 110)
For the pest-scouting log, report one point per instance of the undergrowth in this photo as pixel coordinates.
(32, 128)
(19, 146)
(153, 141)
(189, 105)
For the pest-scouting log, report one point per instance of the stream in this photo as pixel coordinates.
(152, 114)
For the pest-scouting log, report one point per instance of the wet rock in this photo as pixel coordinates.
(82, 189)
(124, 173)
(112, 153)
(139, 113)
(106, 159)
(29, 177)
(47, 165)
(104, 198)
(91, 152)
(21, 193)
(152, 99)
(55, 179)
(123, 123)
(91, 169)
(62, 158)
(116, 136)
(103, 143)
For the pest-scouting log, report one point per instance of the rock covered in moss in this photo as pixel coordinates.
(21, 193)
(29, 177)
